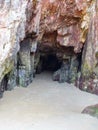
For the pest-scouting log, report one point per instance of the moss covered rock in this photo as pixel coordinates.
(91, 110)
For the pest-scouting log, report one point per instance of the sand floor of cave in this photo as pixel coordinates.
(46, 105)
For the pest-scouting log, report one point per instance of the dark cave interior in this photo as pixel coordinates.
(49, 62)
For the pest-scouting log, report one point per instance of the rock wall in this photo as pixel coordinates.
(12, 31)
(66, 28)
(89, 77)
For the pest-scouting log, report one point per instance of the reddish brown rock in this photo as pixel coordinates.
(70, 19)
(90, 53)
(58, 26)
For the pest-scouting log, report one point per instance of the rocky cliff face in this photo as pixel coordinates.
(34, 31)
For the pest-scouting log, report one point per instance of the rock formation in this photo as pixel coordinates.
(91, 110)
(59, 35)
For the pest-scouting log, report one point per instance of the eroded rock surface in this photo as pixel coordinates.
(61, 28)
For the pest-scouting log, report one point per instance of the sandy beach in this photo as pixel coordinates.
(46, 105)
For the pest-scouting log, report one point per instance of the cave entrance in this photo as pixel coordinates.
(48, 62)
(64, 64)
